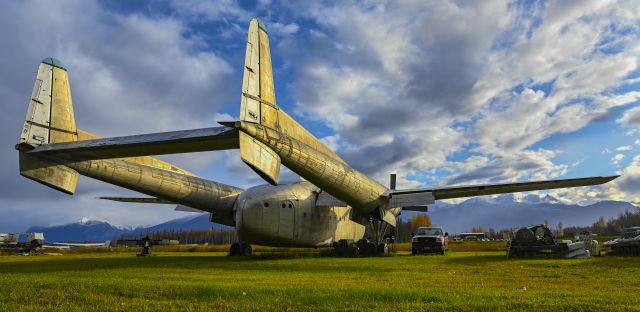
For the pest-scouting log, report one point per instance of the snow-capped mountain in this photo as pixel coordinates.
(84, 230)
(504, 211)
(87, 230)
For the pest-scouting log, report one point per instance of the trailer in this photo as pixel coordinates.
(538, 241)
(628, 244)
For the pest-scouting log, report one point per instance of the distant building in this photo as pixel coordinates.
(140, 242)
(472, 236)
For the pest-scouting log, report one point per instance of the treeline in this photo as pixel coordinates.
(402, 231)
(210, 237)
(612, 227)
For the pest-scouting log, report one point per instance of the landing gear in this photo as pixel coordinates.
(347, 248)
(363, 247)
(376, 243)
(240, 249)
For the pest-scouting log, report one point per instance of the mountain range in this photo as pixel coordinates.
(501, 212)
(100, 231)
(504, 212)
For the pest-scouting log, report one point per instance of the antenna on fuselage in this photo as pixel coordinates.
(392, 181)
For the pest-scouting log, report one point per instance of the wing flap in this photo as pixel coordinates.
(174, 142)
(491, 189)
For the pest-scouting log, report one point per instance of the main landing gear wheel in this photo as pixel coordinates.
(344, 247)
(363, 247)
(240, 249)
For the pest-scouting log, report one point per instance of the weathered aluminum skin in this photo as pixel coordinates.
(174, 142)
(266, 137)
(163, 180)
(49, 120)
(335, 177)
(288, 216)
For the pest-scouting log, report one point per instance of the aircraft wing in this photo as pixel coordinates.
(420, 197)
(174, 142)
(140, 200)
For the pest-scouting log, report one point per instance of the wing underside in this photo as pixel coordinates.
(185, 141)
(417, 197)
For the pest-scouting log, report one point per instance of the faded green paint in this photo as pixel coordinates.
(54, 62)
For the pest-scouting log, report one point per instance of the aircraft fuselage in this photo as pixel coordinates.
(290, 215)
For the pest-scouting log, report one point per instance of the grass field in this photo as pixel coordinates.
(465, 281)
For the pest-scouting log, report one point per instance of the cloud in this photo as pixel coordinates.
(129, 73)
(280, 29)
(624, 148)
(520, 73)
(535, 165)
(631, 117)
(624, 187)
(628, 184)
(617, 158)
(436, 101)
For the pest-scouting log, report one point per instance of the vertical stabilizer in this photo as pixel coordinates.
(258, 102)
(49, 120)
(50, 115)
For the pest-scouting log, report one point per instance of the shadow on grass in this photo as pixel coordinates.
(98, 262)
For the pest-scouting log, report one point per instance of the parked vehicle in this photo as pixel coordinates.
(429, 240)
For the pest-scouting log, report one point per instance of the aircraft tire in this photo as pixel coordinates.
(234, 250)
(353, 249)
(246, 249)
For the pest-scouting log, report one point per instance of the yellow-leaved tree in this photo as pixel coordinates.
(420, 220)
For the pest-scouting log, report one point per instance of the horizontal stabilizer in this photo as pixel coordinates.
(174, 142)
(407, 197)
(416, 208)
(139, 200)
(262, 159)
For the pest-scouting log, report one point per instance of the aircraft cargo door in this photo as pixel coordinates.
(287, 220)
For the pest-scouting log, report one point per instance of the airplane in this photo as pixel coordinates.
(331, 205)
(77, 245)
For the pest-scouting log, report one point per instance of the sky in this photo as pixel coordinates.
(441, 93)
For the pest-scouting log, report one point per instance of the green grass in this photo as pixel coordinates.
(461, 281)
